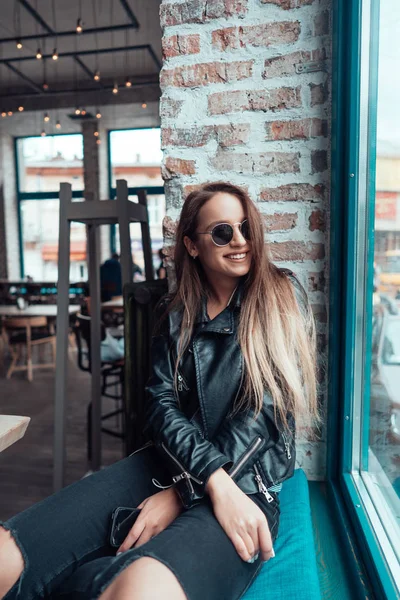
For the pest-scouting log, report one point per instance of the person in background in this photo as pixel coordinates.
(110, 278)
(136, 271)
(161, 271)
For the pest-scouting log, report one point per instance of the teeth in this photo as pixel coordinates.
(236, 255)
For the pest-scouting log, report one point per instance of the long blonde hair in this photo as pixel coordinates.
(277, 339)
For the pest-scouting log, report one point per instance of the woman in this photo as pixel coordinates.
(233, 371)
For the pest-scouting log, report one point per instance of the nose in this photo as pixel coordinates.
(238, 239)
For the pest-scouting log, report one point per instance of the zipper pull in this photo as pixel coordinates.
(287, 447)
(180, 386)
(262, 488)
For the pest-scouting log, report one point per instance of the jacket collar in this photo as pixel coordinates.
(224, 322)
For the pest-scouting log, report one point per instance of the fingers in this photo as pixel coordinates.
(265, 541)
(133, 535)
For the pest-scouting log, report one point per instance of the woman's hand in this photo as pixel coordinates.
(158, 511)
(242, 520)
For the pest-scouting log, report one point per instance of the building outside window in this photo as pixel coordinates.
(42, 164)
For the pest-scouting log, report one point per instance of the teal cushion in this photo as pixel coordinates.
(292, 573)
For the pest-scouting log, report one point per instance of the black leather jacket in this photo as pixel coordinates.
(256, 453)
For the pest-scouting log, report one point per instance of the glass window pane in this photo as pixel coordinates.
(43, 162)
(136, 156)
(384, 408)
(40, 242)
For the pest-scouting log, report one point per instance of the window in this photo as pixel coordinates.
(135, 155)
(42, 164)
(370, 123)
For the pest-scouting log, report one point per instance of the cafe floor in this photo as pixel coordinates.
(26, 467)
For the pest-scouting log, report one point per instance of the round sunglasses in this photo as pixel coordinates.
(222, 234)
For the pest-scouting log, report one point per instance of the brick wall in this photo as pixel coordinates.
(235, 106)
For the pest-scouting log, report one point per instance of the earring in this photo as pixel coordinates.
(194, 256)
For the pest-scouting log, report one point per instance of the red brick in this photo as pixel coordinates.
(317, 221)
(288, 4)
(190, 188)
(280, 221)
(283, 66)
(233, 134)
(205, 73)
(293, 192)
(178, 166)
(191, 138)
(266, 34)
(319, 93)
(319, 161)
(292, 250)
(169, 107)
(180, 45)
(257, 162)
(200, 11)
(296, 129)
(169, 228)
(321, 23)
(263, 100)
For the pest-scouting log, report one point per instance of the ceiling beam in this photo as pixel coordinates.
(79, 53)
(36, 16)
(129, 12)
(29, 81)
(40, 36)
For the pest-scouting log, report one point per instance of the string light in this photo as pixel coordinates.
(43, 133)
(3, 114)
(98, 141)
(96, 76)
(19, 45)
(96, 134)
(55, 54)
(21, 108)
(98, 114)
(79, 27)
(128, 83)
(46, 118)
(77, 111)
(45, 85)
(39, 54)
(144, 105)
(58, 125)
(10, 112)
(115, 88)
(83, 112)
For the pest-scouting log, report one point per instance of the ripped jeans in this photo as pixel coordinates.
(67, 555)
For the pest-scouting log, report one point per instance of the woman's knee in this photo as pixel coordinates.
(145, 579)
(11, 560)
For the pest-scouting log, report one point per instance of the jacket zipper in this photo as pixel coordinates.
(262, 488)
(181, 383)
(149, 443)
(185, 474)
(254, 446)
(287, 446)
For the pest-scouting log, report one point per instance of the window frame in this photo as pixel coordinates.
(21, 196)
(354, 118)
(112, 191)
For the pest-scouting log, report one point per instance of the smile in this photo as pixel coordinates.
(237, 257)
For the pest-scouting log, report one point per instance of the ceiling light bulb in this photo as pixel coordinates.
(43, 133)
(128, 82)
(58, 125)
(79, 27)
(98, 115)
(45, 85)
(3, 114)
(83, 112)
(115, 88)
(39, 54)
(21, 108)
(55, 54)
(46, 118)
(144, 105)
(96, 134)
(19, 45)
(96, 76)
(77, 111)
(98, 141)
(10, 112)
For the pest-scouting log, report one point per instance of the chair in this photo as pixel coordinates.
(112, 375)
(28, 332)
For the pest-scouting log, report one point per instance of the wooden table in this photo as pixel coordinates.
(12, 429)
(35, 310)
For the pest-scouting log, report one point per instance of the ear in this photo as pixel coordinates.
(190, 246)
